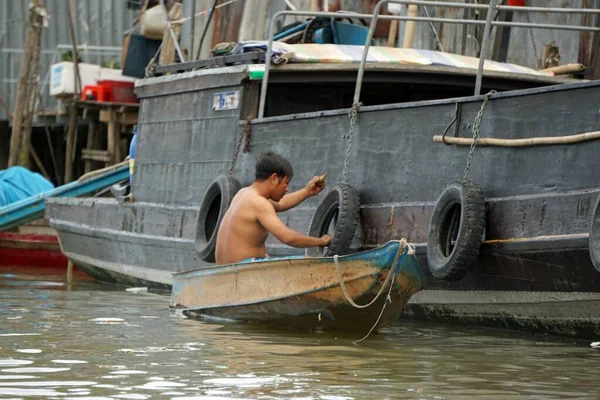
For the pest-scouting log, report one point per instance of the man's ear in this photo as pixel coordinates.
(274, 178)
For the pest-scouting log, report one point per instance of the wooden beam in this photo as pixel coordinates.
(123, 118)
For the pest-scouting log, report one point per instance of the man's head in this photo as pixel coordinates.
(275, 172)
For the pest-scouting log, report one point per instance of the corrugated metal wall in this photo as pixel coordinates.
(98, 23)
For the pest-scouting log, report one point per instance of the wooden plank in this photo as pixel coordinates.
(95, 155)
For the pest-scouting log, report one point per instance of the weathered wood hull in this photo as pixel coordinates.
(305, 293)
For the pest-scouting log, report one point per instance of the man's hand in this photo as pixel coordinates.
(325, 240)
(315, 186)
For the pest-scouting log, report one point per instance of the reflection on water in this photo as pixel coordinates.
(94, 341)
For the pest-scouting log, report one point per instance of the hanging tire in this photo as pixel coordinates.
(594, 243)
(340, 208)
(456, 231)
(215, 203)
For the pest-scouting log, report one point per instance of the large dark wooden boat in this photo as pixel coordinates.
(497, 190)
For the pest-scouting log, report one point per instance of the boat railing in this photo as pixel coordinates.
(375, 16)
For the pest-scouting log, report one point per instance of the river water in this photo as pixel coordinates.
(95, 341)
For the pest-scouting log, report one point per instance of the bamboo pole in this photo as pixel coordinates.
(565, 69)
(15, 137)
(538, 141)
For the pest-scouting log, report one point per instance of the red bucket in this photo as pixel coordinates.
(120, 91)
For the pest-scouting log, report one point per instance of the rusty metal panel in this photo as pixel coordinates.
(99, 24)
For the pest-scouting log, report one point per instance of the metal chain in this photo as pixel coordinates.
(245, 135)
(353, 113)
(476, 130)
(537, 56)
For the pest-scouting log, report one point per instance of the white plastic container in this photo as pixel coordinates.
(62, 77)
(114, 75)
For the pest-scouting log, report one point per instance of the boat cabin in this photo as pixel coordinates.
(306, 78)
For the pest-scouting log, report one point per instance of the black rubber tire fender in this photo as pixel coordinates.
(461, 202)
(216, 201)
(342, 202)
(594, 241)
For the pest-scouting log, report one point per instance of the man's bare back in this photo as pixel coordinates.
(240, 235)
(252, 215)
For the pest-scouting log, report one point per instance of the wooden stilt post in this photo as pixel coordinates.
(71, 132)
(69, 273)
(90, 144)
(113, 138)
(16, 134)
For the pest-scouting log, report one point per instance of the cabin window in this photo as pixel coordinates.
(295, 93)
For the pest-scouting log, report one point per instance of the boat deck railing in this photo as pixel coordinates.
(375, 16)
(255, 57)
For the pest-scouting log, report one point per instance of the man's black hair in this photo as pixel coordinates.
(270, 163)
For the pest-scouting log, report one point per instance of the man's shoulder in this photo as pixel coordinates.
(254, 200)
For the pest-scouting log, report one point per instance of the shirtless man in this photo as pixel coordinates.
(252, 214)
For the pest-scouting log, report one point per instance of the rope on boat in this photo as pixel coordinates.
(404, 247)
(401, 248)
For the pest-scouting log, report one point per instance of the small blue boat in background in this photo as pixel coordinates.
(32, 207)
(353, 292)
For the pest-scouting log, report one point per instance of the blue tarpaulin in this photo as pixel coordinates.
(17, 183)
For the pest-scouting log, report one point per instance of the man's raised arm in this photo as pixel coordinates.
(293, 199)
(271, 222)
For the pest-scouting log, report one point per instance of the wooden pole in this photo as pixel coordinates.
(71, 132)
(409, 31)
(15, 138)
(38, 162)
(71, 22)
(72, 129)
(90, 144)
(538, 141)
(393, 32)
(112, 138)
(69, 273)
(33, 78)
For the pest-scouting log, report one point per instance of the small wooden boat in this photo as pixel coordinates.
(33, 244)
(305, 293)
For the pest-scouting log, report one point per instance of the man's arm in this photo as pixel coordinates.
(271, 222)
(293, 199)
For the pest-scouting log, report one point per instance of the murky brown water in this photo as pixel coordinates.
(58, 344)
